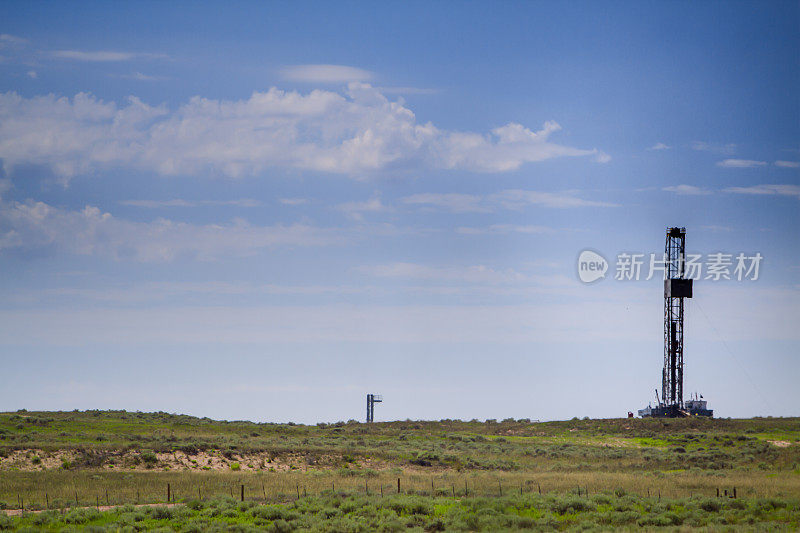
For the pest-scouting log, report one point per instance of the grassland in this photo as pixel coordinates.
(655, 472)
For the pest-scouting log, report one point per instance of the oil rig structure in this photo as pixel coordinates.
(676, 288)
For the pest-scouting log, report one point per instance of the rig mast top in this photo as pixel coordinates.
(676, 288)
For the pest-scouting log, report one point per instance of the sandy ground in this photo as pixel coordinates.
(35, 459)
(780, 443)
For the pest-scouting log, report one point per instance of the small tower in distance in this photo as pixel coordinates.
(372, 399)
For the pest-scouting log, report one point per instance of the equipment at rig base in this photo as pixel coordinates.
(372, 399)
(676, 288)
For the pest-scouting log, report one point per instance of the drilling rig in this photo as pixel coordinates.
(676, 288)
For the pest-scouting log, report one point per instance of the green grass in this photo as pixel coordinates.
(49, 458)
(341, 512)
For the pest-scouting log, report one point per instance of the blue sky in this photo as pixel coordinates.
(268, 210)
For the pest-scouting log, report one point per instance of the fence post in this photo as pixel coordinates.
(398, 485)
(734, 492)
(466, 488)
(168, 492)
(76, 497)
(297, 486)
(242, 499)
(107, 497)
(501, 487)
(47, 499)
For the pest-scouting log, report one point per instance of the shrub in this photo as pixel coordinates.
(236, 466)
(710, 506)
(160, 513)
(149, 459)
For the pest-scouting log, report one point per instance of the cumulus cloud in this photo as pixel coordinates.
(36, 226)
(659, 146)
(358, 133)
(740, 163)
(325, 73)
(768, 189)
(687, 190)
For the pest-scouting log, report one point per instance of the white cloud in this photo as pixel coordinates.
(8, 39)
(454, 202)
(155, 204)
(687, 190)
(505, 229)
(293, 201)
(787, 164)
(471, 274)
(102, 56)
(767, 189)
(508, 199)
(138, 76)
(518, 199)
(740, 163)
(712, 147)
(407, 90)
(36, 225)
(357, 134)
(325, 73)
(659, 146)
(356, 210)
(32, 74)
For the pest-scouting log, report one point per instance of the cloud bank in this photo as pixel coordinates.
(36, 226)
(357, 134)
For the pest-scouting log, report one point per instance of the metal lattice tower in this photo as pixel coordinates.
(372, 399)
(676, 288)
